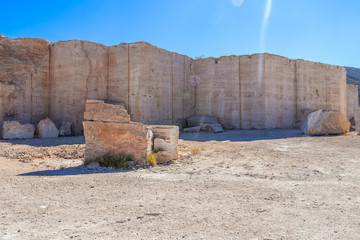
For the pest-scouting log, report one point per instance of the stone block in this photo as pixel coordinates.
(46, 128)
(326, 122)
(111, 138)
(212, 128)
(164, 157)
(164, 145)
(199, 120)
(65, 128)
(98, 110)
(15, 130)
(192, 129)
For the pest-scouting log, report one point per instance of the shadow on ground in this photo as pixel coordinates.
(242, 135)
(72, 171)
(48, 142)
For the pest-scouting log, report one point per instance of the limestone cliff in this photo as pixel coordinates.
(39, 79)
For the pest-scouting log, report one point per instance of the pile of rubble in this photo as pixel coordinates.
(199, 123)
(46, 128)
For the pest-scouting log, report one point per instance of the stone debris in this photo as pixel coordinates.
(212, 128)
(15, 130)
(326, 122)
(65, 128)
(203, 123)
(199, 120)
(93, 165)
(192, 129)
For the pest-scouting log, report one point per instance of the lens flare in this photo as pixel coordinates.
(237, 3)
(263, 36)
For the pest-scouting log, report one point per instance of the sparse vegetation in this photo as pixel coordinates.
(195, 151)
(151, 159)
(122, 161)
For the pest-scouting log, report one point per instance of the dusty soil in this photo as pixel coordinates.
(234, 185)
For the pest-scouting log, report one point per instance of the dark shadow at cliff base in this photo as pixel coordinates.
(72, 171)
(48, 142)
(242, 135)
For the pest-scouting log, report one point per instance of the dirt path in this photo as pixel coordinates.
(247, 185)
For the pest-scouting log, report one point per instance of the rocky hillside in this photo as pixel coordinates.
(353, 77)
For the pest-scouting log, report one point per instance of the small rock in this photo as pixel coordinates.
(192, 129)
(212, 128)
(93, 165)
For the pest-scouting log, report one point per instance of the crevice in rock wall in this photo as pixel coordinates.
(240, 102)
(172, 88)
(128, 79)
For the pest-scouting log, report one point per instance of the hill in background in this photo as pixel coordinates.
(353, 77)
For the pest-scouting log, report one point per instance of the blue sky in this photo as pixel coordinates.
(318, 30)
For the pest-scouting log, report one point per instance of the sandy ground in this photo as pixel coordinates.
(234, 185)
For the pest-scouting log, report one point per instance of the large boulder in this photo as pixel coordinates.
(109, 131)
(326, 122)
(15, 130)
(65, 128)
(46, 128)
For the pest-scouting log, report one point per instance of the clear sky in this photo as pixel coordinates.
(318, 30)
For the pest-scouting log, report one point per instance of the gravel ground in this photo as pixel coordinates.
(261, 185)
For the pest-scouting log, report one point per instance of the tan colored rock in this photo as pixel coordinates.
(164, 157)
(24, 79)
(15, 130)
(212, 128)
(164, 145)
(192, 129)
(326, 122)
(46, 128)
(97, 110)
(65, 128)
(116, 135)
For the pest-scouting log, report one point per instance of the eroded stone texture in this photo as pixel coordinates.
(165, 142)
(46, 128)
(112, 133)
(24, 80)
(15, 130)
(199, 120)
(323, 122)
(352, 102)
(39, 79)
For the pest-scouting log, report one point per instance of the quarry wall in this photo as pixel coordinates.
(40, 79)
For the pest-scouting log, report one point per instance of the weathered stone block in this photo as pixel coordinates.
(97, 110)
(15, 130)
(212, 128)
(164, 145)
(164, 157)
(112, 138)
(323, 122)
(192, 129)
(65, 128)
(165, 138)
(46, 128)
(201, 120)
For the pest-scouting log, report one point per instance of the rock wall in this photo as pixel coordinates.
(24, 80)
(39, 79)
(352, 104)
(265, 91)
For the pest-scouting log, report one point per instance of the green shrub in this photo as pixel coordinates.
(120, 161)
(151, 159)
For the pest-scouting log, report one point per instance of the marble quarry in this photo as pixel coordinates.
(40, 79)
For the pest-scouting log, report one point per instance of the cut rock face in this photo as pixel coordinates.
(47, 129)
(15, 130)
(326, 122)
